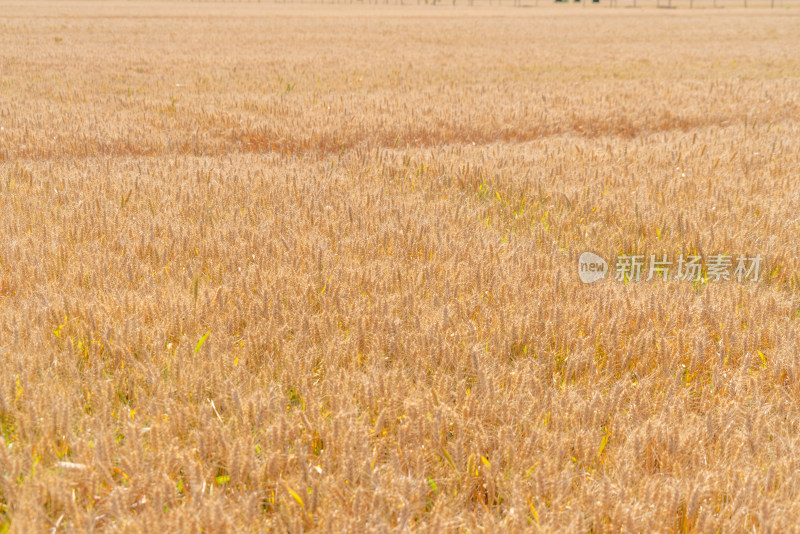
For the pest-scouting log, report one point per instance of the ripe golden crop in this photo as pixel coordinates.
(311, 267)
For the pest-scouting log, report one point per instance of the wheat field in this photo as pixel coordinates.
(270, 267)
